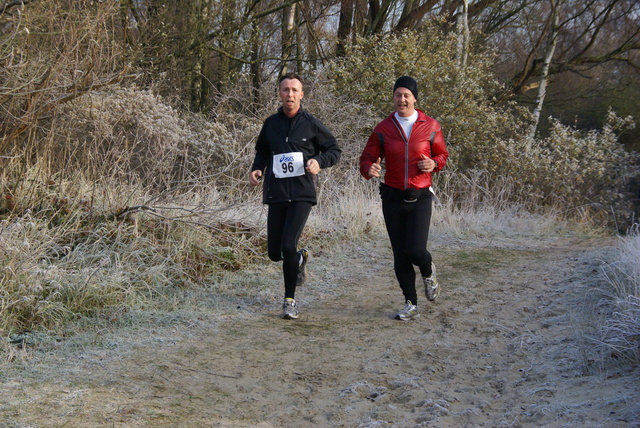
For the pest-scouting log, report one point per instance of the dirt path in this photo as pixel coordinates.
(501, 347)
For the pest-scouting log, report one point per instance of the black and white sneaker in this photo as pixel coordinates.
(303, 255)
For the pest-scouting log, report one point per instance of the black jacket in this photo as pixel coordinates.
(301, 133)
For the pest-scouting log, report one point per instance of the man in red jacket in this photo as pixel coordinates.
(413, 147)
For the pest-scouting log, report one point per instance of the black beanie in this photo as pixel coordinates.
(409, 83)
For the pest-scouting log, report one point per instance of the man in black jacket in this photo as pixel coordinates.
(292, 148)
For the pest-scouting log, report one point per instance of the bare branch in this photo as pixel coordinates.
(70, 93)
(414, 16)
(7, 7)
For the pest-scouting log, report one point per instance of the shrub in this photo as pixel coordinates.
(460, 99)
(50, 53)
(579, 173)
(589, 169)
(126, 134)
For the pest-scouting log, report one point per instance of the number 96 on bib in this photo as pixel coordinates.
(287, 165)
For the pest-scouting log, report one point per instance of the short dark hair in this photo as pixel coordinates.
(290, 75)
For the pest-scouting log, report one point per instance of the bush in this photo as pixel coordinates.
(137, 136)
(50, 53)
(580, 174)
(588, 169)
(460, 99)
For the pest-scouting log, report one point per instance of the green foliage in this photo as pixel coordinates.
(576, 171)
(580, 173)
(459, 98)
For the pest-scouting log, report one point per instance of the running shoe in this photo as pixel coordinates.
(409, 312)
(431, 286)
(303, 257)
(289, 309)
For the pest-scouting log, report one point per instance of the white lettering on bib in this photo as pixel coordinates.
(287, 165)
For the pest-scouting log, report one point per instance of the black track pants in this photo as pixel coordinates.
(285, 222)
(408, 228)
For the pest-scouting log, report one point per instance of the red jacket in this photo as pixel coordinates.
(388, 142)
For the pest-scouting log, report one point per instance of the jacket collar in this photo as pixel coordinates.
(281, 112)
(421, 115)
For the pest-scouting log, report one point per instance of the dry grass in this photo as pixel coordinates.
(63, 260)
(620, 330)
(69, 259)
(93, 233)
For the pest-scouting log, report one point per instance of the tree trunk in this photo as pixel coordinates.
(360, 19)
(413, 14)
(551, 47)
(344, 26)
(463, 35)
(288, 21)
(378, 14)
(256, 70)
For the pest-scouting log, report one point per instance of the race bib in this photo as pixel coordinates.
(286, 165)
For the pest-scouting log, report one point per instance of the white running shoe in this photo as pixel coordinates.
(409, 312)
(289, 309)
(431, 286)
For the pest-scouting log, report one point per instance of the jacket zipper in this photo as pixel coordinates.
(406, 153)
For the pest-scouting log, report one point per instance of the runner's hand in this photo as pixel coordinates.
(313, 166)
(254, 176)
(375, 168)
(426, 164)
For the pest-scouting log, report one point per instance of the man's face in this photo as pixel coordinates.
(404, 102)
(291, 94)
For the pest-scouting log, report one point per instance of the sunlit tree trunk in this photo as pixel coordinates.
(199, 86)
(360, 17)
(550, 50)
(378, 14)
(313, 44)
(288, 34)
(463, 35)
(125, 10)
(409, 6)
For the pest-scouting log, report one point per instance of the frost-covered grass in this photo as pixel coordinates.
(621, 326)
(128, 201)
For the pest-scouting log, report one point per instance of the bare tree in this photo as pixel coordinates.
(193, 48)
(588, 36)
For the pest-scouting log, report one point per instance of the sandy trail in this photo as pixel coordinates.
(501, 347)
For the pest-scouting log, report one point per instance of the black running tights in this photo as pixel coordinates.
(285, 222)
(408, 228)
